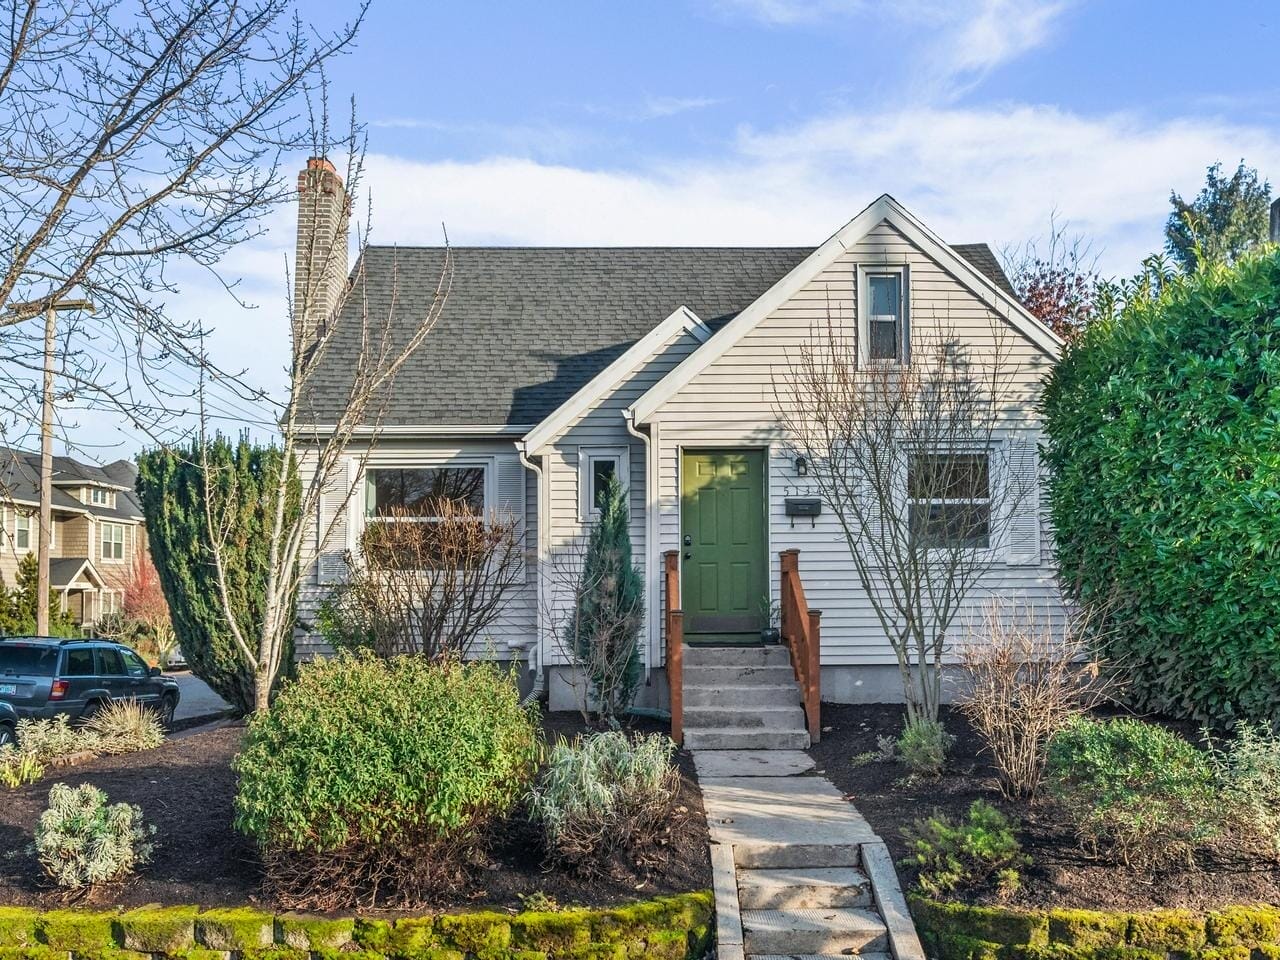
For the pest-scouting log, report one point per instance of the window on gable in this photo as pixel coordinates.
(884, 316)
(596, 467)
(113, 541)
(949, 499)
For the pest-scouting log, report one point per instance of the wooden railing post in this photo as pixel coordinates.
(675, 676)
(813, 677)
(673, 621)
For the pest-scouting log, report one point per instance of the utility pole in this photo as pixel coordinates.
(45, 533)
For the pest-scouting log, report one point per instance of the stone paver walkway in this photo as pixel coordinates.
(798, 871)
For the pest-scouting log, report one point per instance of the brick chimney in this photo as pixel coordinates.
(1275, 220)
(320, 267)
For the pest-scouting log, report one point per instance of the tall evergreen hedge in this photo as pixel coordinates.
(1164, 458)
(171, 485)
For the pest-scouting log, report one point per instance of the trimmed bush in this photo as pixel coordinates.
(82, 840)
(1164, 486)
(969, 855)
(1133, 789)
(368, 776)
(605, 793)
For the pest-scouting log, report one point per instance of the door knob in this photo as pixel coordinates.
(688, 555)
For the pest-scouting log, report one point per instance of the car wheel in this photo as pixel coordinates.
(91, 710)
(7, 738)
(168, 706)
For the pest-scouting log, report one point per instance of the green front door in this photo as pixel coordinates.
(725, 568)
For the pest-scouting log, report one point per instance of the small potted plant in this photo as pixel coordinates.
(770, 616)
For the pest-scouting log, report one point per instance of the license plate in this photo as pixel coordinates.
(8, 689)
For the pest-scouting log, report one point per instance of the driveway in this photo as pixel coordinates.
(196, 700)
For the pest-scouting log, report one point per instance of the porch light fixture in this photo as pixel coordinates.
(802, 467)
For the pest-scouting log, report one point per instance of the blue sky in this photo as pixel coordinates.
(771, 121)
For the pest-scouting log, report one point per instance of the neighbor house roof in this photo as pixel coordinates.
(524, 328)
(64, 571)
(20, 483)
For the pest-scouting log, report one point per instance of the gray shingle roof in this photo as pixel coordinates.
(525, 327)
(20, 482)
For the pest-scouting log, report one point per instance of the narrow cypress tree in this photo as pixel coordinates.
(172, 488)
(604, 631)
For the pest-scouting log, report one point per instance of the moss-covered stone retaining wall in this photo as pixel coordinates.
(953, 931)
(666, 928)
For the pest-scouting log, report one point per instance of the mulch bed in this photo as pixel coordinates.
(186, 788)
(1060, 875)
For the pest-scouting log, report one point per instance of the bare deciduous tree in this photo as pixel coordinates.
(428, 587)
(323, 311)
(908, 459)
(1057, 279)
(138, 133)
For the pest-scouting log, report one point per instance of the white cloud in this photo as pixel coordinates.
(972, 174)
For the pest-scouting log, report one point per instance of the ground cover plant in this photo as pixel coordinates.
(604, 793)
(968, 854)
(1163, 425)
(83, 839)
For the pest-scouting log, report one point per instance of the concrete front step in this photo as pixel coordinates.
(744, 738)
(770, 718)
(741, 695)
(836, 930)
(707, 676)
(803, 888)
(771, 656)
(796, 856)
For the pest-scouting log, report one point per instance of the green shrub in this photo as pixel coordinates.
(50, 739)
(364, 768)
(82, 840)
(125, 726)
(1247, 768)
(968, 855)
(603, 793)
(923, 746)
(1133, 789)
(1164, 467)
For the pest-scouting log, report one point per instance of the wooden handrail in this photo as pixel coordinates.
(673, 621)
(802, 633)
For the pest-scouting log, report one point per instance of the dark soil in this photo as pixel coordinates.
(186, 788)
(1061, 875)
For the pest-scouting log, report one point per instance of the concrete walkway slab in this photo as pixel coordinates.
(751, 763)
(804, 811)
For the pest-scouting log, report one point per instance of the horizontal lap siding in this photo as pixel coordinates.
(514, 488)
(732, 402)
(600, 426)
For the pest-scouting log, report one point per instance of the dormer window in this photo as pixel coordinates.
(882, 332)
(100, 496)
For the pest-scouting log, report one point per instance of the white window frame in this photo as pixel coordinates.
(587, 458)
(903, 273)
(100, 497)
(992, 454)
(32, 525)
(103, 542)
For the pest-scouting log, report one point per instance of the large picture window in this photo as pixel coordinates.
(424, 516)
(949, 499)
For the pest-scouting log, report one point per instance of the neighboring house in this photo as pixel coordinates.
(553, 368)
(97, 529)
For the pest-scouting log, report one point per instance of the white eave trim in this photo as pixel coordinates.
(612, 375)
(426, 430)
(884, 208)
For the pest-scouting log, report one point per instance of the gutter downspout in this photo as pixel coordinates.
(536, 653)
(650, 537)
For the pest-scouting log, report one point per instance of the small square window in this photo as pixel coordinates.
(597, 466)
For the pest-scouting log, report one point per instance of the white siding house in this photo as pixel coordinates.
(554, 367)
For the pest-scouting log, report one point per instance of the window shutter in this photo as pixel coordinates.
(511, 492)
(1023, 542)
(333, 523)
